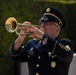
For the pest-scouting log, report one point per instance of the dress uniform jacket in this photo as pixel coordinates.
(52, 58)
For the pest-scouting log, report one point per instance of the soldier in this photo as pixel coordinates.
(45, 53)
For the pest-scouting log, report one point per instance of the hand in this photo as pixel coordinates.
(32, 30)
(35, 32)
(24, 31)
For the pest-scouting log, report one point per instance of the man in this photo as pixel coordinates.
(46, 55)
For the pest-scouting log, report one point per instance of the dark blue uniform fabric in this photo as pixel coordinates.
(41, 56)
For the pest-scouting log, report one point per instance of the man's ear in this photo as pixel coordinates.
(58, 29)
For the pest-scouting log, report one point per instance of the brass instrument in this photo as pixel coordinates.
(12, 25)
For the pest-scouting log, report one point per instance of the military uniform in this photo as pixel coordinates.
(51, 58)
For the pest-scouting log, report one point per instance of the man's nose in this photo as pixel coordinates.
(42, 24)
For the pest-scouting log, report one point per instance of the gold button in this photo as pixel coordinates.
(38, 57)
(37, 65)
(28, 56)
(37, 73)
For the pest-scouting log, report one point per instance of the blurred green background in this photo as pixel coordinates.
(30, 10)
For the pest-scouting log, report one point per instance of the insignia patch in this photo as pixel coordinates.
(67, 48)
(53, 64)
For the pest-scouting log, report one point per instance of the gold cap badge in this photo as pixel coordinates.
(48, 10)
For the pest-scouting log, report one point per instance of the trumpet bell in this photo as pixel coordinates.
(11, 24)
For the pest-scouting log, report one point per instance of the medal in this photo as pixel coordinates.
(53, 64)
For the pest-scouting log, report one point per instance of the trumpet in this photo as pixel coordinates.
(12, 25)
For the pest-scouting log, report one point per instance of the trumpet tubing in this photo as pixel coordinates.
(12, 25)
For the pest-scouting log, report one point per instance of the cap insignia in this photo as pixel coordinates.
(48, 10)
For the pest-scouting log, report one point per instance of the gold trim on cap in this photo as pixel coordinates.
(54, 16)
